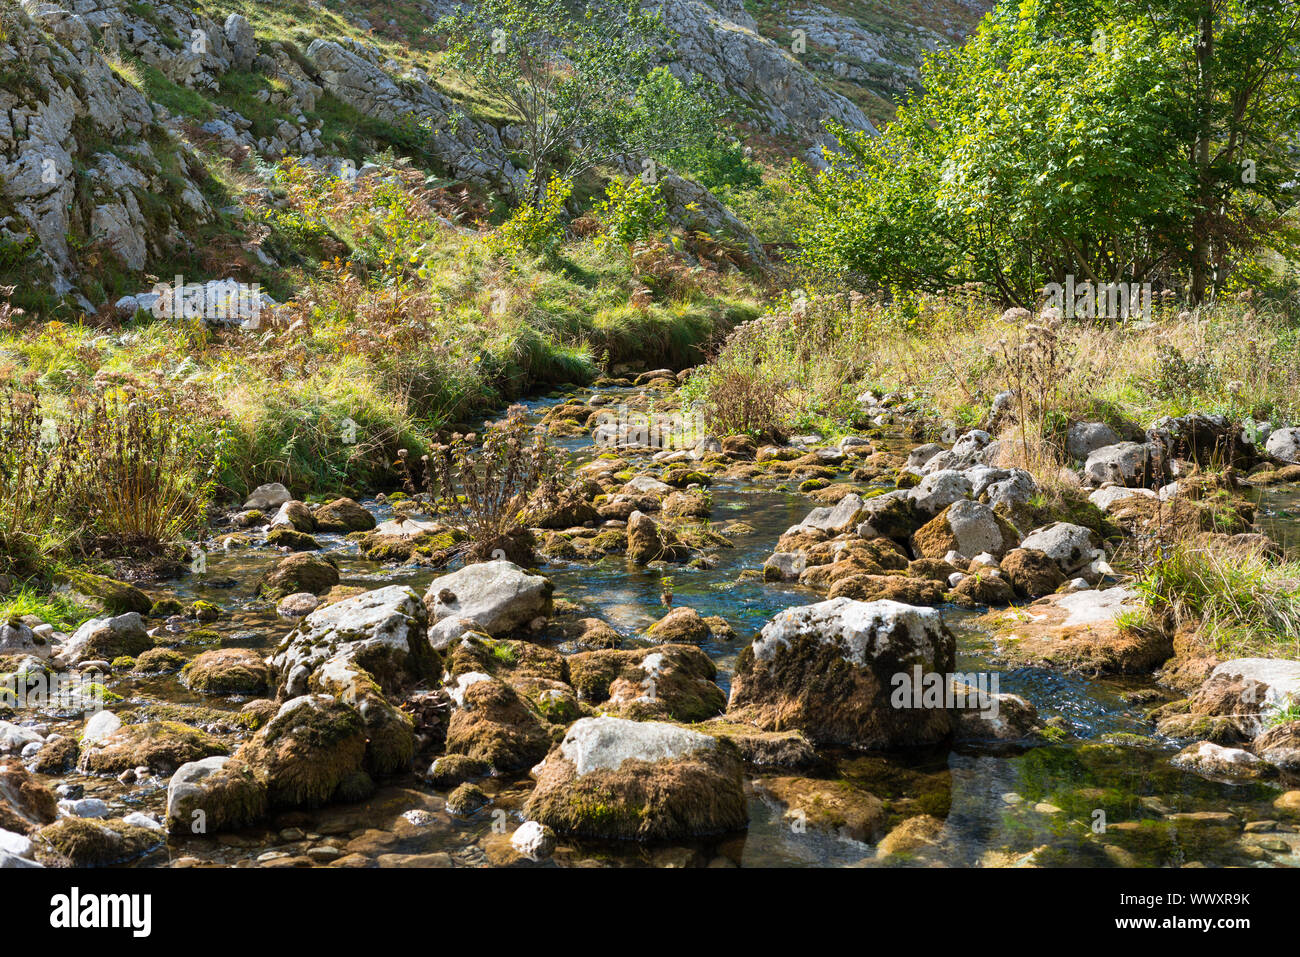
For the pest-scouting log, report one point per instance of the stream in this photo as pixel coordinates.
(1101, 796)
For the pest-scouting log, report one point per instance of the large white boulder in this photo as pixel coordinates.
(1070, 546)
(1284, 444)
(495, 597)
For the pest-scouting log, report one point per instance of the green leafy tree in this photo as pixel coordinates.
(581, 79)
(1063, 138)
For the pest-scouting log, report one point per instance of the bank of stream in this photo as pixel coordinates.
(1104, 793)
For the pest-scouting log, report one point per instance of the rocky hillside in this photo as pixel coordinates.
(126, 126)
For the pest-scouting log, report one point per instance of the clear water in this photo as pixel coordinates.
(999, 806)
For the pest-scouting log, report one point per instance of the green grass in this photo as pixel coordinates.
(53, 609)
(1245, 602)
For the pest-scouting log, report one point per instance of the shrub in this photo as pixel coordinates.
(486, 488)
(538, 229)
(632, 211)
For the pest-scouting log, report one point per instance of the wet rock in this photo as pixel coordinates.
(79, 842)
(343, 515)
(57, 756)
(102, 594)
(214, 794)
(495, 597)
(300, 572)
(828, 669)
(836, 518)
(298, 605)
(968, 528)
(271, 495)
(107, 638)
(616, 779)
(25, 803)
(1213, 760)
(1070, 546)
(836, 807)
(227, 671)
(1079, 632)
(534, 841)
(492, 724)
(161, 746)
(312, 745)
(648, 541)
(914, 834)
(682, 626)
(985, 715)
(1031, 573)
(668, 681)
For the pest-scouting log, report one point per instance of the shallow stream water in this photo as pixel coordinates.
(1047, 803)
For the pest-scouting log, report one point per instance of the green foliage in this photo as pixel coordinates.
(1058, 141)
(55, 609)
(534, 229)
(632, 211)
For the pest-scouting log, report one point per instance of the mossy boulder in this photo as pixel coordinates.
(667, 681)
(983, 588)
(829, 670)
(630, 780)
(57, 757)
(452, 769)
(895, 588)
(107, 638)
(764, 749)
(157, 661)
(214, 794)
(493, 724)
(1031, 573)
(682, 626)
(161, 746)
(648, 541)
(299, 572)
(83, 842)
(343, 515)
(835, 807)
(466, 799)
(103, 594)
(307, 750)
(283, 536)
(967, 528)
(227, 671)
(25, 803)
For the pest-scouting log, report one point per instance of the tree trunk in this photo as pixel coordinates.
(1201, 224)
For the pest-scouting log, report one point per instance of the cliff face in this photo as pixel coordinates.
(109, 108)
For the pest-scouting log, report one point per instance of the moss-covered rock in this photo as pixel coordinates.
(157, 661)
(466, 799)
(161, 746)
(312, 744)
(829, 669)
(25, 803)
(343, 515)
(452, 769)
(301, 571)
(628, 780)
(214, 794)
(681, 626)
(1031, 573)
(82, 842)
(493, 724)
(103, 594)
(283, 536)
(57, 757)
(667, 681)
(108, 638)
(227, 671)
(764, 749)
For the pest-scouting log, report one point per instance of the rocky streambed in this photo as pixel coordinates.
(699, 672)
